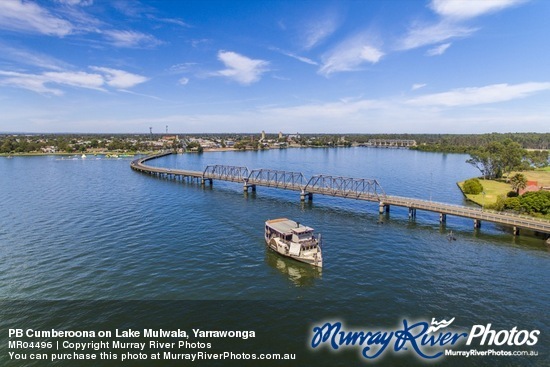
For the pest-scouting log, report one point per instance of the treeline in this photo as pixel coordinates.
(447, 143)
(497, 159)
(464, 143)
(70, 143)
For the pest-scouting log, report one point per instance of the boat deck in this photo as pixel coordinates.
(286, 226)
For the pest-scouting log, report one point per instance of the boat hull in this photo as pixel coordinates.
(313, 258)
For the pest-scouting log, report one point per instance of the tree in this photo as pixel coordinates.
(472, 186)
(518, 182)
(538, 158)
(194, 146)
(511, 156)
(496, 158)
(240, 145)
(7, 146)
(481, 159)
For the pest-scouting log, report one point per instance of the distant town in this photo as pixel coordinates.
(144, 143)
(21, 143)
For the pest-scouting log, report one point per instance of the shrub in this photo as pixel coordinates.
(513, 203)
(499, 205)
(512, 194)
(536, 202)
(472, 186)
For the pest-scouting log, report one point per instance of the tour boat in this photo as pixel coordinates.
(291, 239)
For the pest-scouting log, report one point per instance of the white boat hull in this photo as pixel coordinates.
(312, 257)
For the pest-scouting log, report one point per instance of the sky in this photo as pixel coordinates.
(307, 66)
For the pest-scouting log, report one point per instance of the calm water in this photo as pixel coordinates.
(93, 229)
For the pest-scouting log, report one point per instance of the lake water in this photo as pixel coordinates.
(94, 231)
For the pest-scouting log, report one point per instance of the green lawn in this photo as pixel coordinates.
(492, 190)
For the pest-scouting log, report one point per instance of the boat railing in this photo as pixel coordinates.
(310, 242)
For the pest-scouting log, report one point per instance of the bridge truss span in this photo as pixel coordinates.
(276, 178)
(226, 173)
(358, 188)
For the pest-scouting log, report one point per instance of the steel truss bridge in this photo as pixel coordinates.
(391, 143)
(344, 187)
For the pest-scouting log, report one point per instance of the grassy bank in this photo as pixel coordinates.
(494, 189)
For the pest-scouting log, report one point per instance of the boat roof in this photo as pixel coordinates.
(285, 225)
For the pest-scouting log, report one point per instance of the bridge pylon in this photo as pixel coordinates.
(304, 194)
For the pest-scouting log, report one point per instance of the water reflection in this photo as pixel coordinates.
(301, 275)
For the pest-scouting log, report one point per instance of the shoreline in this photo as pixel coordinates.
(37, 154)
(493, 189)
(206, 150)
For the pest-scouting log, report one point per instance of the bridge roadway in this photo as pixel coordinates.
(350, 188)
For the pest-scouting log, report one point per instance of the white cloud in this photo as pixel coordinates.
(182, 68)
(183, 81)
(422, 35)
(460, 9)
(439, 50)
(294, 56)
(378, 116)
(302, 59)
(349, 55)
(42, 83)
(197, 42)
(317, 32)
(418, 86)
(241, 68)
(347, 115)
(332, 111)
(28, 57)
(79, 79)
(175, 21)
(371, 54)
(453, 14)
(120, 79)
(76, 2)
(32, 82)
(131, 39)
(140, 94)
(29, 17)
(479, 95)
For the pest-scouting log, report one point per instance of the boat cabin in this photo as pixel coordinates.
(302, 233)
(288, 230)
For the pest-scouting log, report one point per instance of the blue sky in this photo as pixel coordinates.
(397, 66)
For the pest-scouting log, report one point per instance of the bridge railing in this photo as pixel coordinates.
(411, 201)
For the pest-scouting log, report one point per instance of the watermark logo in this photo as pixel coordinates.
(514, 337)
(439, 325)
(426, 340)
